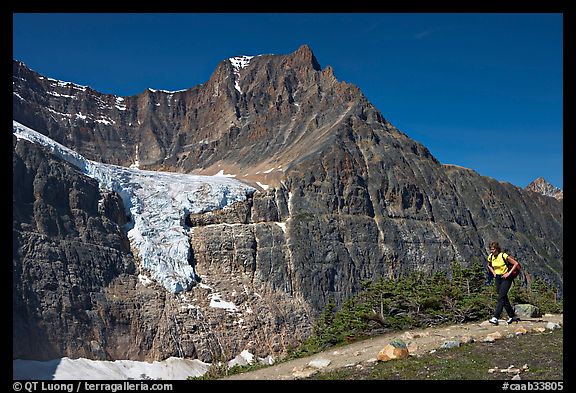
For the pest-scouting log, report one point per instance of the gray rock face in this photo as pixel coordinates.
(345, 197)
(77, 294)
(67, 247)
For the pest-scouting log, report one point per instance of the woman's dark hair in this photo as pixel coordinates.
(496, 246)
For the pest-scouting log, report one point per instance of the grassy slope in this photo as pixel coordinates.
(542, 352)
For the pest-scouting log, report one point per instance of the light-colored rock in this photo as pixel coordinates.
(407, 336)
(521, 330)
(466, 339)
(527, 311)
(304, 373)
(493, 336)
(397, 349)
(510, 370)
(319, 363)
(552, 326)
(450, 344)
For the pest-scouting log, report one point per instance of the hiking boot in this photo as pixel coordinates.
(493, 321)
(513, 319)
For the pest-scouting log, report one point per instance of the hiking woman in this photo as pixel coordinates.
(498, 264)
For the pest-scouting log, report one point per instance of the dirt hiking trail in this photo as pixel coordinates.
(419, 342)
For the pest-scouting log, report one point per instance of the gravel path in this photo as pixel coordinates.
(419, 341)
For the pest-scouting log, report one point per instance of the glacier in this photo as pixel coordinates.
(158, 203)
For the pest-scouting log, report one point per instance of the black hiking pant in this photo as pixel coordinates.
(503, 286)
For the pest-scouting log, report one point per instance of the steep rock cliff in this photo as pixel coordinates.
(79, 292)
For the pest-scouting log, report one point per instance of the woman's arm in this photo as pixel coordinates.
(491, 269)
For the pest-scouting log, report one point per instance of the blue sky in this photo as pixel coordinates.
(480, 90)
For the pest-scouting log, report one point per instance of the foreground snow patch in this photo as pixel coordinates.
(86, 369)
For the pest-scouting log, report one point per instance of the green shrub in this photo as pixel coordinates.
(417, 300)
(538, 293)
(412, 301)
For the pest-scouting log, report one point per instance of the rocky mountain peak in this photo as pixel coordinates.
(306, 56)
(541, 186)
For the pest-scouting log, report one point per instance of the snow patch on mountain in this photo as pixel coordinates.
(59, 83)
(238, 63)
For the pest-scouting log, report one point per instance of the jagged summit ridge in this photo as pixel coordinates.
(254, 113)
(541, 186)
(305, 53)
